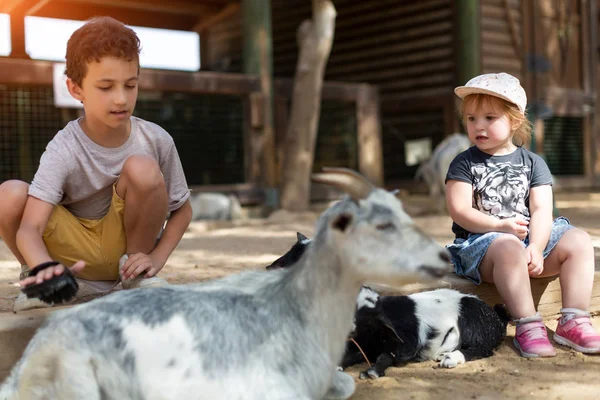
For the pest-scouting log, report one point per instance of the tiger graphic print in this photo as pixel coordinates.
(501, 189)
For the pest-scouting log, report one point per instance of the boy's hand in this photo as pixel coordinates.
(48, 273)
(516, 226)
(137, 263)
(535, 260)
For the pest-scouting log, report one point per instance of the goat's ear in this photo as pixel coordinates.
(301, 237)
(279, 263)
(342, 221)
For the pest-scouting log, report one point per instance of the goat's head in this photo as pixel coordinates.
(374, 237)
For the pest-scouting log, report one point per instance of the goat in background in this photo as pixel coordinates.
(434, 170)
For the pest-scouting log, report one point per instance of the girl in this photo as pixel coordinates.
(499, 196)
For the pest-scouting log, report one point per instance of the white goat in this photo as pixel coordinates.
(215, 206)
(434, 170)
(256, 335)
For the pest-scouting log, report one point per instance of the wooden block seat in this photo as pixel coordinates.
(546, 292)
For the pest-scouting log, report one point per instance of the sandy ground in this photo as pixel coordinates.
(211, 250)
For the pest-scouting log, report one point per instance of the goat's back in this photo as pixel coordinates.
(165, 341)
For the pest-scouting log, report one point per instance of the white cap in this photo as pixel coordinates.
(502, 85)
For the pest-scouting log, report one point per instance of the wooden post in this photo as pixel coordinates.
(315, 38)
(469, 40)
(258, 59)
(368, 122)
(17, 34)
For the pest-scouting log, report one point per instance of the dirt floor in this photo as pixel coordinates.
(210, 250)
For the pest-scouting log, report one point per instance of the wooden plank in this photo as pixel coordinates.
(36, 7)
(391, 63)
(331, 90)
(32, 72)
(140, 17)
(503, 63)
(169, 7)
(416, 33)
(414, 95)
(7, 6)
(546, 292)
(224, 13)
(432, 80)
(408, 9)
(383, 76)
(397, 49)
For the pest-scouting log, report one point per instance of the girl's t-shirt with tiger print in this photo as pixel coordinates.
(500, 183)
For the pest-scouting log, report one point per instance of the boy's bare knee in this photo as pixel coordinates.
(143, 173)
(13, 195)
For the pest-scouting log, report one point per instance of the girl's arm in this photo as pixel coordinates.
(459, 197)
(540, 208)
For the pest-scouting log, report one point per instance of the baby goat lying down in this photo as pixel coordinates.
(256, 335)
(443, 325)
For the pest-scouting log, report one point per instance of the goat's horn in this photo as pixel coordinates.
(351, 182)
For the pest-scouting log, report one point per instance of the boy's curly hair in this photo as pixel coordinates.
(99, 37)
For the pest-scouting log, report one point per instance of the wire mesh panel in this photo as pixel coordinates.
(398, 128)
(336, 139)
(207, 130)
(28, 121)
(563, 145)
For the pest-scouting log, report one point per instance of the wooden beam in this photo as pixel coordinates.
(546, 292)
(36, 7)
(7, 6)
(148, 18)
(339, 91)
(225, 12)
(33, 72)
(170, 7)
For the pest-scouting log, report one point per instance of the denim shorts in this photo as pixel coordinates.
(467, 253)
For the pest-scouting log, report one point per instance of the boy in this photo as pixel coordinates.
(105, 182)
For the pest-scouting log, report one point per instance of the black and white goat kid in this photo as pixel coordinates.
(442, 325)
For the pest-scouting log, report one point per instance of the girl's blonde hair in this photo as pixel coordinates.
(521, 135)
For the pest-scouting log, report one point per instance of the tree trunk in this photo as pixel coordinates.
(314, 41)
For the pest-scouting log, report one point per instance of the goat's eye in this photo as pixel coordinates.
(388, 226)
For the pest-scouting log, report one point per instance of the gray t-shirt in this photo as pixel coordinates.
(78, 173)
(500, 183)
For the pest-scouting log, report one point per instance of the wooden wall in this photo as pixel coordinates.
(221, 45)
(408, 49)
(502, 37)
(404, 47)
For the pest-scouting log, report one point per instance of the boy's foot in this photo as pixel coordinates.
(139, 281)
(531, 340)
(579, 334)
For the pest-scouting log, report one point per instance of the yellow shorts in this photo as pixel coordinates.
(100, 243)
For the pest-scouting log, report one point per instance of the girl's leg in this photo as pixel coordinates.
(573, 259)
(505, 265)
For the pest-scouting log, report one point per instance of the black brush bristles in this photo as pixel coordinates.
(58, 289)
